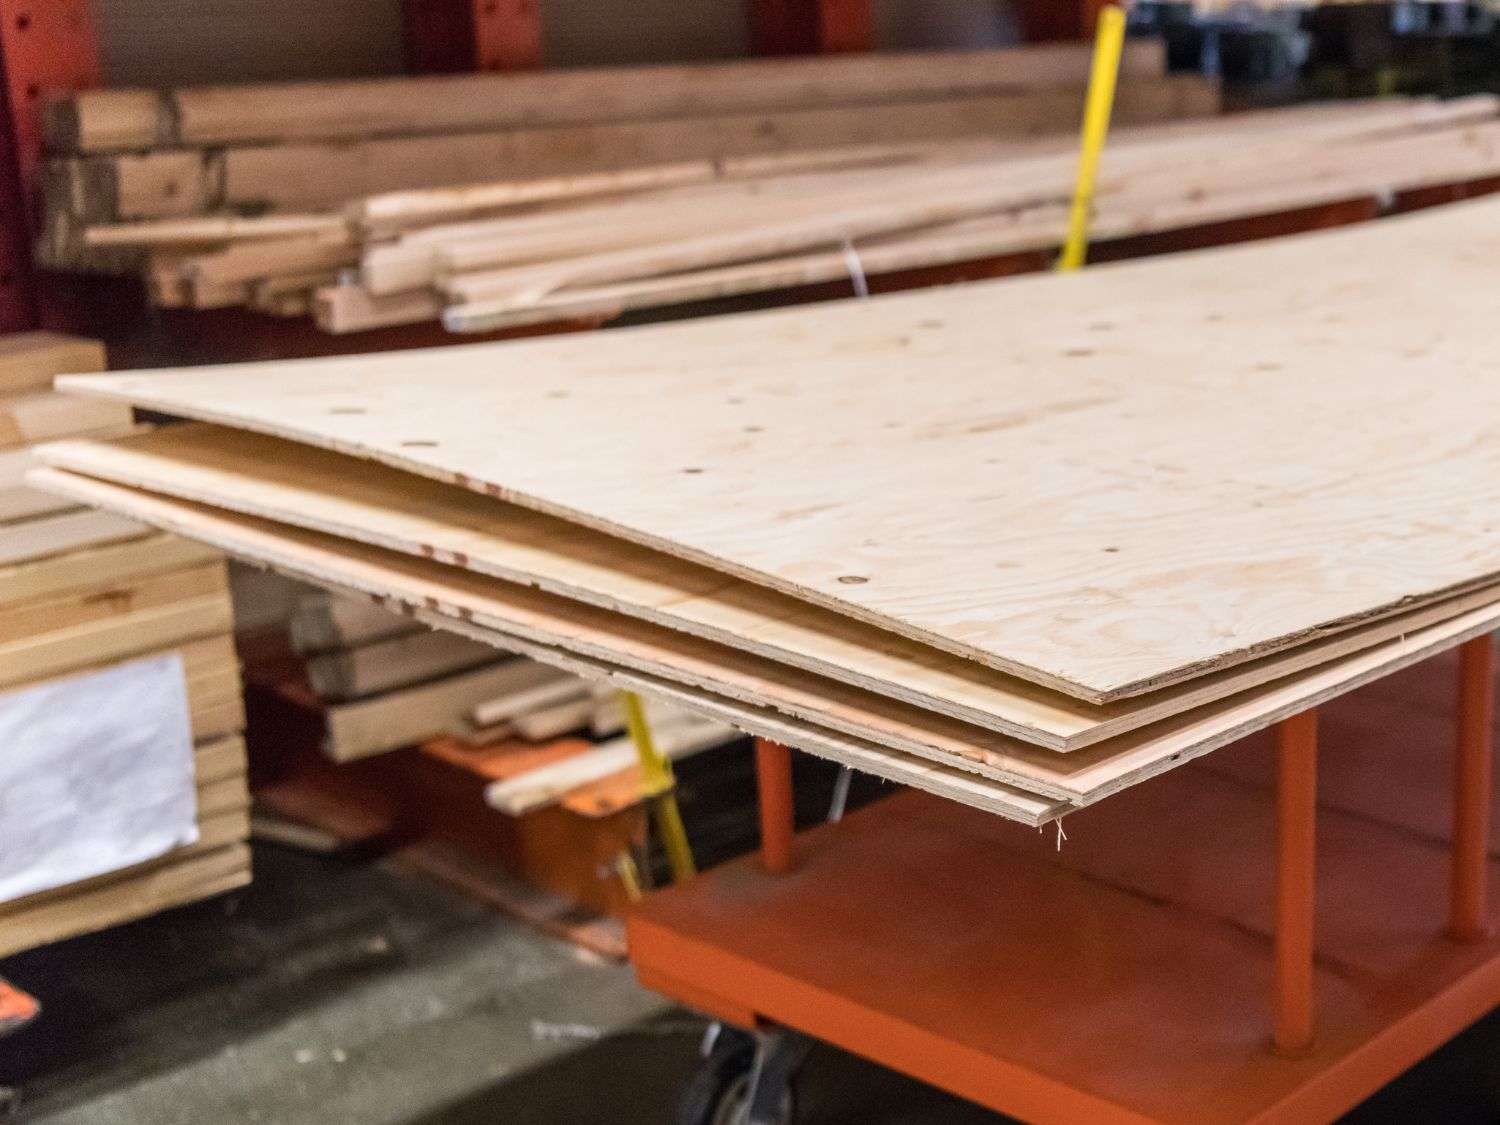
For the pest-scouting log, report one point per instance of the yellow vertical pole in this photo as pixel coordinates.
(1109, 41)
(656, 775)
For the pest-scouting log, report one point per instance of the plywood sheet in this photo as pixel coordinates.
(308, 487)
(1102, 482)
(710, 678)
(419, 587)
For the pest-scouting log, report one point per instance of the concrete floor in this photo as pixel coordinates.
(338, 991)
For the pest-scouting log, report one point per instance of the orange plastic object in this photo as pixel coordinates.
(1473, 783)
(773, 779)
(1296, 838)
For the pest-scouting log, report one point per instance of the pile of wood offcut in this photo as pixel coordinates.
(262, 195)
(94, 608)
(1023, 544)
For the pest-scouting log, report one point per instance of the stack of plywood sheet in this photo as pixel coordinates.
(1021, 543)
(259, 195)
(86, 596)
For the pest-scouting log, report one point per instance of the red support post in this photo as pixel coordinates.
(453, 36)
(48, 46)
(1473, 780)
(1296, 819)
(773, 781)
(1045, 20)
(810, 27)
(507, 34)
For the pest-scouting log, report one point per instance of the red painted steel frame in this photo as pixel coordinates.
(1473, 783)
(48, 45)
(773, 779)
(1296, 818)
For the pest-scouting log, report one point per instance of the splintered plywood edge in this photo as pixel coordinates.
(329, 492)
(1102, 502)
(532, 623)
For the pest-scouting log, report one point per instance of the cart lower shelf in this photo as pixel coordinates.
(1126, 977)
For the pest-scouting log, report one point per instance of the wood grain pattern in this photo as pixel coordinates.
(722, 682)
(1104, 483)
(324, 491)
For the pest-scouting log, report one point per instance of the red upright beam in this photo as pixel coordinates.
(1042, 20)
(809, 27)
(1473, 778)
(48, 46)
(451, 36)
(773, 780)
(1296, 818)
(507, 34)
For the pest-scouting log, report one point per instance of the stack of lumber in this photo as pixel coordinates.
(385, 681)
(256, 195)
(511, 253)
(1022, 544)
(84, 591)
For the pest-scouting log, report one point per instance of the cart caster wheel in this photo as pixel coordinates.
(720, 1090)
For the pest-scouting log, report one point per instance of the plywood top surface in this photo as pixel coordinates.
(1102, 482)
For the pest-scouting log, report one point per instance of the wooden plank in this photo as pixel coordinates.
(195, 877)
(546, 785)
(51, 536)
(1179, 515)
(271, 478)
(354, 109)
(313, 176)
(743, 690)
(108, 599)
(130, 634)
(40, 415)
(405, 717)
(465, 606)
(513, 705)
(324, 621)
(393, 663)
(31, 360)
(152, 553)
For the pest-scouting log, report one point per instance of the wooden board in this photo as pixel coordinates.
(54, 535)
(393, 663)
(281, 111)
(127, 634)
(323, 621)
(406, 717)
(315, 175)
(724, 683)
(40, 415)
(194, 877)
(31, 360)
(1105, 482)
(324, 491)
(151, 553)
(109, 599)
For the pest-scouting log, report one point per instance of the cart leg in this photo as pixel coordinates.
(1472, 781)
(773, 779)
(1296, 817)
(778, 1055)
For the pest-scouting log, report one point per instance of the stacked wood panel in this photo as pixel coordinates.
(84, 590)
(1023, 544)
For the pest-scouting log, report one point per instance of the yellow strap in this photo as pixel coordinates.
(656, 774)
(1109, 41)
